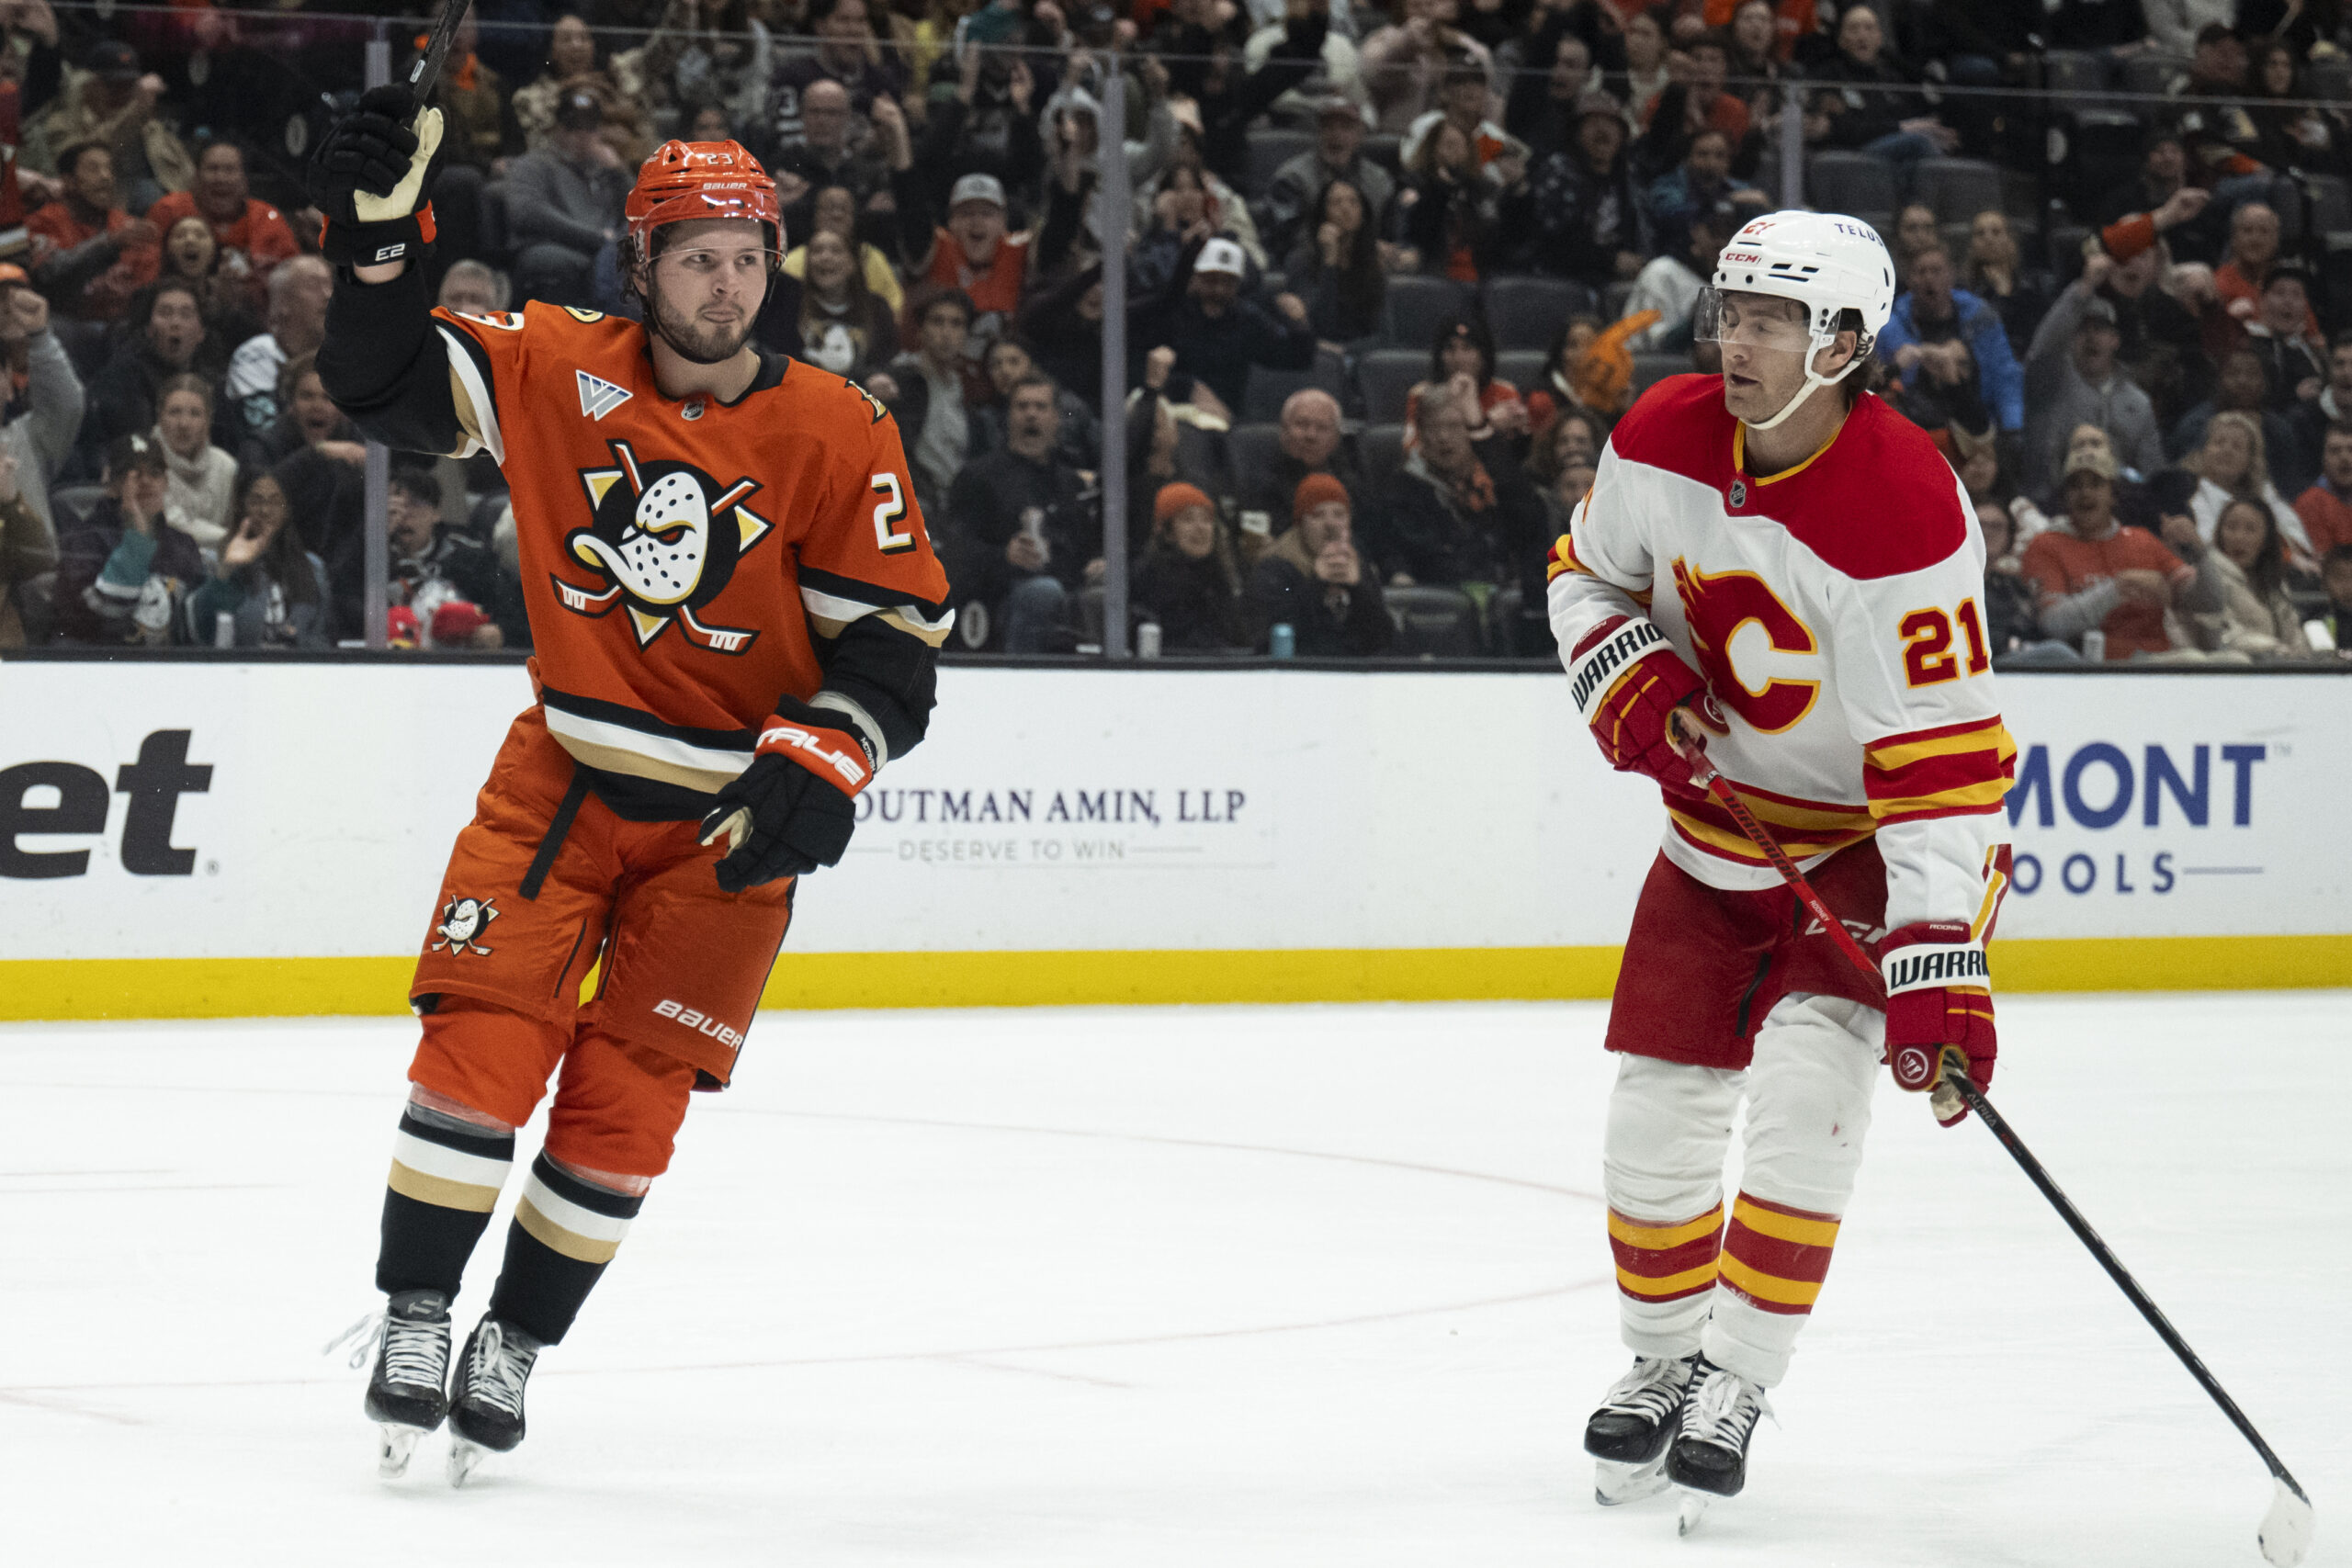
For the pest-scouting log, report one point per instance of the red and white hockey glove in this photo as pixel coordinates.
(793, 809)
(1938, 996)
(1626, 679)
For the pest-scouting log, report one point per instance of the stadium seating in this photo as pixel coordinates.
(1387, 376)
(1434, 623)
(1381, 448)
(1852, 182)
(1522, 368)
(1958, 188)
(1270, 148)
(1262, 399)
(1528, 312)
(1251, 448)
(1418, 306)
(2075, 71)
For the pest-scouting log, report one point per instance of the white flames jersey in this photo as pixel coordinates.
(1835, 611)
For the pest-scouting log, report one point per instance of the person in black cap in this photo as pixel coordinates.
(565, 201)
(114, 103)
(121, 576)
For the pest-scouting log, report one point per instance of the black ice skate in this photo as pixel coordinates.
(1628, 1436)
(1710, 1454)
(486, 1401)
(404, 1393)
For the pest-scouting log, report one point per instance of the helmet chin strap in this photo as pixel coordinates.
(1813, 379)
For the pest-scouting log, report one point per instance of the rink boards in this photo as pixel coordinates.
(235, 840)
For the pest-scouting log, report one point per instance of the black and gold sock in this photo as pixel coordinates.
(445, 1182)
(565, 1231)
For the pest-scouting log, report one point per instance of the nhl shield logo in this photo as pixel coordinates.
(1738, 494)
(463, 920)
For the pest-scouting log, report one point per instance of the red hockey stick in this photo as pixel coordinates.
(2285, 1532)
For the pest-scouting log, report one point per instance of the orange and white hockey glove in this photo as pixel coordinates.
(1939, 998)
(794, 807)
(1626, 679)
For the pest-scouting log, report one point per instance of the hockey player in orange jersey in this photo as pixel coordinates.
(737, 613)
(1777, 557)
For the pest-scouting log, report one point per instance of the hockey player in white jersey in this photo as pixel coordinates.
(1792, 564)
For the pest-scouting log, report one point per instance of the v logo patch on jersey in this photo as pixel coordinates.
(599, 397)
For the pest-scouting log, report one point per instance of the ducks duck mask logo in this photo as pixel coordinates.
(665, 538)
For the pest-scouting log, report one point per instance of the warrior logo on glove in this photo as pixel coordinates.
(665, 538)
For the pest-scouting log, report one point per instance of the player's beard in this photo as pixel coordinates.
(697, 341)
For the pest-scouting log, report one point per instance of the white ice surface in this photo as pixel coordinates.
(1242, 1287)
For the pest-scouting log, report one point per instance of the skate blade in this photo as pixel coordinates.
(394, 1445)
(1689, 1510)
(1615, 1482)
(464, 1458)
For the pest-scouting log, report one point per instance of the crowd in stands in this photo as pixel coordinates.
(1390, 276)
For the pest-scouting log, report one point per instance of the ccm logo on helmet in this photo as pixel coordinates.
(852, 770)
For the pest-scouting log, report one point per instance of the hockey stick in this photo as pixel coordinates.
(2286, 1531)
(426, 72)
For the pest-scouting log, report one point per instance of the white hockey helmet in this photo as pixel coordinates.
(1825, 261)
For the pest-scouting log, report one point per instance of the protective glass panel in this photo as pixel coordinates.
(1757, 320)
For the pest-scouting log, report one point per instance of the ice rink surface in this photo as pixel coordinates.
(1241, 1287)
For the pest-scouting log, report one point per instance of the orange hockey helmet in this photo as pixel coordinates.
(686, 180)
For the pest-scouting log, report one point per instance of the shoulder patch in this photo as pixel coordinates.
(577, 314)
(873, 402)
(505, 321)
(1882, 503)
(1681, 425)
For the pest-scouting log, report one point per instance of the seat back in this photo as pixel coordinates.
(1387, 376)
(1269, 149)
(1434, 623)
(1856, 183)
(1958, 188)
(1528, 312)
(1418, 306)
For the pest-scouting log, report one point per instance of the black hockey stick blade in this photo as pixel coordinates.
(426, 72)
(2285, 1532)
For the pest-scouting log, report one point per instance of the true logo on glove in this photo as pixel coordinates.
(852, 769)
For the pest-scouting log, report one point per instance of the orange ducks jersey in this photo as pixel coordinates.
(681, 561)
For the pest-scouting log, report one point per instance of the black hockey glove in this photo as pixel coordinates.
(793, 809)
(371, 176)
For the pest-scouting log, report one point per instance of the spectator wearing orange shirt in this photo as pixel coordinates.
(1705, 105)
(2327, 507)
(252, 237)
(2238, 281)
(975, 254)
(1790, 20)
(89, 255)
(2095, 573)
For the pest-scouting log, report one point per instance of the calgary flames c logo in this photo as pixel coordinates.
(666, 543)
(1717, 605)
